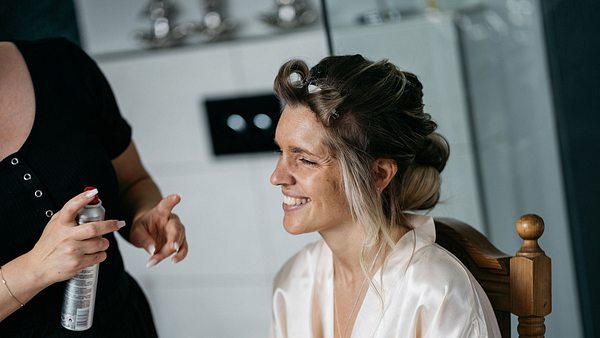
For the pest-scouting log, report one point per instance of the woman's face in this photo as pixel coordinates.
(310, 179)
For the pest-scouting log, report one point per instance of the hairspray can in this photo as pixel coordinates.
(80, 292)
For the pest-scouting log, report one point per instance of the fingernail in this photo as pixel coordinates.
(176, 246)
(151, 263)
(174, 260)
(121, 224)
(91, 193)
(150, 249)
(178, 194)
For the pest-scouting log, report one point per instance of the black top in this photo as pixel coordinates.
(76, 133)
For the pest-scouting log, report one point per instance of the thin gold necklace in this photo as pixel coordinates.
(362, 285)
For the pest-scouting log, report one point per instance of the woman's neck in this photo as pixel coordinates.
(346, 244)
(350, 280)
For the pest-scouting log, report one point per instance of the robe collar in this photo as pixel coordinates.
(385, 279)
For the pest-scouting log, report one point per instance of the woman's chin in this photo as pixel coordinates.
(294, 229)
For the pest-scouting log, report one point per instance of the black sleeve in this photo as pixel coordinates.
(109, 127)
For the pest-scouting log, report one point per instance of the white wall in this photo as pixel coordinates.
(231, 212)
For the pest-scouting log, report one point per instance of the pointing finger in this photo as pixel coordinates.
(166, 205)
(174, 235)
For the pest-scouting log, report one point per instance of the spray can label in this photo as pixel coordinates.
(80, 292)
(79, 298)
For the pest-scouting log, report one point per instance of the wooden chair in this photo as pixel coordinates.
(519, 284)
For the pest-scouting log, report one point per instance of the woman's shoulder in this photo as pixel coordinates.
(430, 264)
(56, 57)
(437, 269)
(55, 46)
(300, 265)
(438, 281)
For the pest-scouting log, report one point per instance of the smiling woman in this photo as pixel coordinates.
(358, 154)
(313, 198)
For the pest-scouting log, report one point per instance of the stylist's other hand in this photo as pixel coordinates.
(66, 248)
(160, 232)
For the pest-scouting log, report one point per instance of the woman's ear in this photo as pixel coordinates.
(385, 169)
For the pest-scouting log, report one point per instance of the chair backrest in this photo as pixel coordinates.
(519, 284)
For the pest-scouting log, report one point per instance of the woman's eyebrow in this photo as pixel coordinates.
(296, 149)
(299, 150)
(323, 158)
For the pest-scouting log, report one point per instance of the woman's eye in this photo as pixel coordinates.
(307, 162)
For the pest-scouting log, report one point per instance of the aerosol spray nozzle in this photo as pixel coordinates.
(95, 200)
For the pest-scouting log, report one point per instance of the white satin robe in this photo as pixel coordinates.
(426, 292)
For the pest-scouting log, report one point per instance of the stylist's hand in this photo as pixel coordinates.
(66, 248)
(160, 232)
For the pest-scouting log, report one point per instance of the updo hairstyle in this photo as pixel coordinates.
(371, 110)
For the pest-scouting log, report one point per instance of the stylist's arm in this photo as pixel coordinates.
(63, 250)
(154, 226)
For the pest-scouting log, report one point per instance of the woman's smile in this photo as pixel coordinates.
(293, 203)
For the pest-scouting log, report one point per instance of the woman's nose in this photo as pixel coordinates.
(281, 175)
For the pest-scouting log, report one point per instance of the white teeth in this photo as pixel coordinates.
(294, 201)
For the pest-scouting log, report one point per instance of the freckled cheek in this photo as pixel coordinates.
(327, 191)
(336, 186)
(334, 195)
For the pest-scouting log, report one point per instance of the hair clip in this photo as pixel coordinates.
(296, 80)
(335, 114)
(313, 88)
